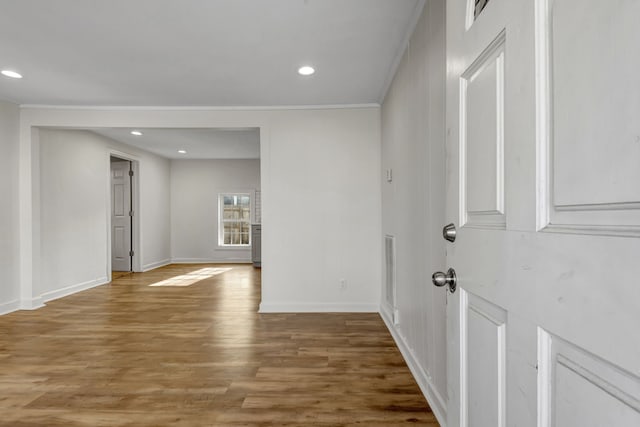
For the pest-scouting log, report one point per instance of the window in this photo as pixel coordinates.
(234, 220)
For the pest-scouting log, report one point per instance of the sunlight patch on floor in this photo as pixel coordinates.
(191, 278)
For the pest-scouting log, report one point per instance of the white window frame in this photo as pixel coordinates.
(222, 221)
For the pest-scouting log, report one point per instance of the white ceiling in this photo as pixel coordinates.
(198, 143)
(201, 52)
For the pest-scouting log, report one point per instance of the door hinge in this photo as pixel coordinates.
(130, 213)
(130, 173)
(131, 253)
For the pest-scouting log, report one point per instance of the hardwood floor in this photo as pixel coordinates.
(193, 351)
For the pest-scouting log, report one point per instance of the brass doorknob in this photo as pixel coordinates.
(440, 279)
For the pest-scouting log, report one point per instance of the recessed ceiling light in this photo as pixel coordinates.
(306, 70)
(136, 133)
(182, 151)
(12, 74)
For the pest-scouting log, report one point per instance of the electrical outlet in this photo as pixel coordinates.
(343, 284)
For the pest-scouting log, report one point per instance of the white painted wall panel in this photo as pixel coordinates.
(9, 137)
(321, 211)
(413, 202)
(155, 208)
(74, 209)
(195, 185)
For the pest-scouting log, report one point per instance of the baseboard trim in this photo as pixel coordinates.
(303, 307)
(154, 265)
(69, 290)
(9, 307)
(32, 304)
(436, 402)
(211, 261)
(390, 313)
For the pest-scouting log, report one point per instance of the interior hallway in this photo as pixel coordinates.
(195, 352)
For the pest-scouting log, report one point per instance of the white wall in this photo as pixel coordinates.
(73, 207)
(74, 211)
(413, 140)
(155, 208)
(195, 185)
(320, 196)
(9, 138)
(322, 217)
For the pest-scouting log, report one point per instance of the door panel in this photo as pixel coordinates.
(120, 249)
(579, 388)
(591, 128)
(120, 219)
(482, 139)
(544, 328)
(119, 203)
(589, 121)
(483, 328)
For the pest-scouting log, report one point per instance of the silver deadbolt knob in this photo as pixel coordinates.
(449, 278)
(449, 232)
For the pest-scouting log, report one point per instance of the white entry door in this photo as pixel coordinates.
(543, 184)
(120, 216)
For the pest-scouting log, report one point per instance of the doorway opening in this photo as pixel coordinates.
(123, 224)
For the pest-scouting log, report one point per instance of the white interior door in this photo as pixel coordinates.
(543, 169)
(120, 216)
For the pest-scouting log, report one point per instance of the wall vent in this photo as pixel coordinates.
(390, 280)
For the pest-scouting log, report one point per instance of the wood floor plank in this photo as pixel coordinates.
(131, 354)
